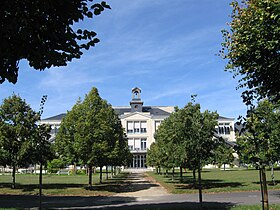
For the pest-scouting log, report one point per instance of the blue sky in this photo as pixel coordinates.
(167, 48)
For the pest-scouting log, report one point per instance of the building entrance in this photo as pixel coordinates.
(139, 161)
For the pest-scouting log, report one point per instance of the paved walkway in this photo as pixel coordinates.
(143, 192)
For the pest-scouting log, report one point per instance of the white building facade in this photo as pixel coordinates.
(140, 124)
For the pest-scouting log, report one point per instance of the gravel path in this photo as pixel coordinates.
(142, 185)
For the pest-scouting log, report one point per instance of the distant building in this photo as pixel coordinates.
(141, 122)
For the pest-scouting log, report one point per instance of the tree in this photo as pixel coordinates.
(198, 134)
(252, 48)
(223, 155)
(65, 143)
(17, 129)
(259, 144)
(44, 33)
(95, 133)
(186, 138)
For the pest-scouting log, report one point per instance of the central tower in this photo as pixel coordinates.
(136, 104)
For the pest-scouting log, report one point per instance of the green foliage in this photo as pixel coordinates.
(223, 154)
(260, 143)
(22, 140)
(43, 33)
(17, 128)
(252, 48)
(54, 165)
(92, 134)
(184, 138)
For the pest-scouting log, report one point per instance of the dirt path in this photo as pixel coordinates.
(141, 185)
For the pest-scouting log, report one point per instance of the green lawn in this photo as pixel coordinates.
(216, 180)
(62, 184)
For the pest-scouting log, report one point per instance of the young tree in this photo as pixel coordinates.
(43, 33)
(223, 155)
(95, 132)
(259, 144)
(252, 47)
(65, 143)
(186, 137)
(17, 129)
(198, 134)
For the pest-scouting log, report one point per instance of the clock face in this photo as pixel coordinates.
(135, 107)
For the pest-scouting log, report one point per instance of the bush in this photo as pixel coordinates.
(54, 165)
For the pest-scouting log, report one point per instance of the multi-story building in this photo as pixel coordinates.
(141, 122)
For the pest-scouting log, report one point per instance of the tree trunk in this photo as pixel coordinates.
(194, 178)
(272, 174)
(173, 174)
(224, 167)
(90, 176)
(107, 173)
(181, 174)
(264, 188)
(14, 177)
(112, 172)
(199, 185)
(100, 175)
(40, 184)
(75, 169)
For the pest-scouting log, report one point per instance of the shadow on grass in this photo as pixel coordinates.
(102, 202)
(187, 183)
(120, 184)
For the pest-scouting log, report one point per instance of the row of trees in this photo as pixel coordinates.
(91, 134)
(187, 139)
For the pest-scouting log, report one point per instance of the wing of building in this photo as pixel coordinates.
(141, 122)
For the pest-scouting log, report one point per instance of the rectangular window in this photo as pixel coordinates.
(143, 144)
(143, 127)
(136, 127)
(137, 144)
(157, 124)
(224, 128)
(129, 127)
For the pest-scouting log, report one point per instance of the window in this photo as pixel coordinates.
(129, 127)
(143, 127)
(143, 144)
(157, 124)
(224, 129)
(136, 127)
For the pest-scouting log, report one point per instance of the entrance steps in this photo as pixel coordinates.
(137, 170)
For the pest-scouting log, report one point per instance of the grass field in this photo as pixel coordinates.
(216, 180)
(62, 185)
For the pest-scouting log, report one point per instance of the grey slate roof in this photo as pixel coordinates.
(152, 110)
(122, 110)
(119, 111)
(225, 118)
(55, 118)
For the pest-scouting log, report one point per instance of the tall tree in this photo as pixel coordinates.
(252, 48)
(65, 143)
(198, 134)
(43, 33)
(259, 144)
(95, 132)
(186, 138)
(17, 129)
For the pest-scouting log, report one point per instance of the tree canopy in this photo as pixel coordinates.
(252, 48)
(22, 140)
(92, 134)
(43, 33)
(259, 144)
